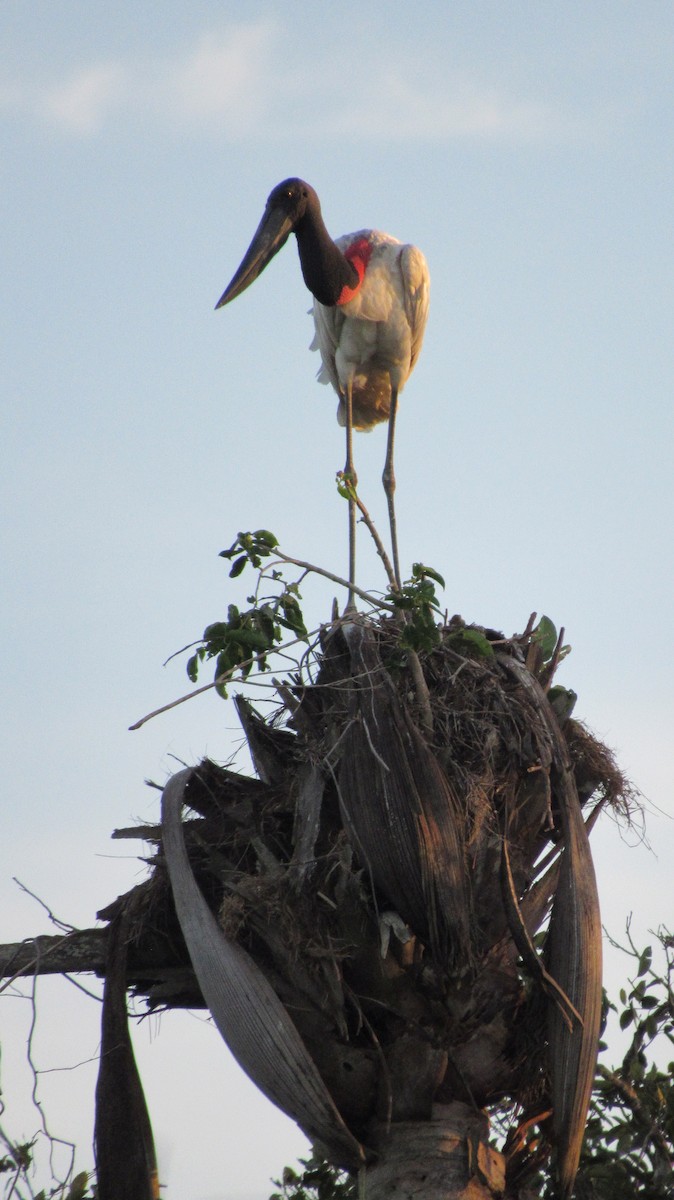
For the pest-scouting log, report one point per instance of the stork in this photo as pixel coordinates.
(370, 307)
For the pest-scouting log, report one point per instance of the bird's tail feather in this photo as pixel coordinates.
(371, 400)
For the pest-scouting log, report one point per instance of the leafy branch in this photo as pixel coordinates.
(246, 639)
(417, 602)
(249, 637)
(631, 1126)
(315, 1180)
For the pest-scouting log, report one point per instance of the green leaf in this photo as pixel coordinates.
(626, 1018)
(292, 615)
(645, 961)
(251, 639)
(266, 623)
(346, 486)
(419, 570)
(562, 701)
(238, 566)
(638, 990)
(545, 634)
(651, 1025)
(266, 538)
(252, 547)
(216, 632)
(471, 643)
(78, 1188)
(223, 667)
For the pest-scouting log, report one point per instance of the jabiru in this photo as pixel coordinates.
(371, 297)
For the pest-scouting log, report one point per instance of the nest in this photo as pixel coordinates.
(389, 883)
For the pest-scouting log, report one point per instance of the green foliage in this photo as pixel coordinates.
(471, 643)
(246, 638)
(316, 1181)
(346, 485)
(563, 701)
(417, 600)
(544, 639)
(545, 634)
(79, 1188)
(629, 1151)
(17, 1162)
(250, 547)
(19, 1158)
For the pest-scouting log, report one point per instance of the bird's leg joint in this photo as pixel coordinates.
(388, 479)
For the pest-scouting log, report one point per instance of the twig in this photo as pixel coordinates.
(51, 1138)
(182, 650)
(529, 627)
(421, 688)
(374, 534)
(92, 996)
(224, 678)
(227, 675)
(54, 920)
(631, 1100)
(375, 753)
(307, 566)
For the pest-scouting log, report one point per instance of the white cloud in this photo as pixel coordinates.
(224, 78)
(245, 80)
(394, 109)
(81, 104)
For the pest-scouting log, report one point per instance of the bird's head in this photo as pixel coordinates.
(285, 209)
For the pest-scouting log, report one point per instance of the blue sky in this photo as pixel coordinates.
(527, 149)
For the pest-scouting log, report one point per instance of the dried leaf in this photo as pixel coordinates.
(575, 952)
(126, 1165)
(310, 788)
(251, 1018)
(269, 747)
(525, 946)
(576, 963)
(400, 810)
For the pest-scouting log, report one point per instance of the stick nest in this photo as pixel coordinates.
(363, 868)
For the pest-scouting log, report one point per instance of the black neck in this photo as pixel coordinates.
(325, 270)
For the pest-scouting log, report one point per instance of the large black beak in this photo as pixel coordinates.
(270, 235)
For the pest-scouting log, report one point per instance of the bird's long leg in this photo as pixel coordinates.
(389, 481)
(351, 480)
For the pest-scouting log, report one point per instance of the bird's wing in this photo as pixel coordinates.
(416, 292)
(329, 323)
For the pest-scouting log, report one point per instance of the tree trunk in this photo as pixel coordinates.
(446, 1158)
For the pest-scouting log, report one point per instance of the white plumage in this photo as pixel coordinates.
(374, 339)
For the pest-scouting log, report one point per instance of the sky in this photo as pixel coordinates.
(527, 149)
